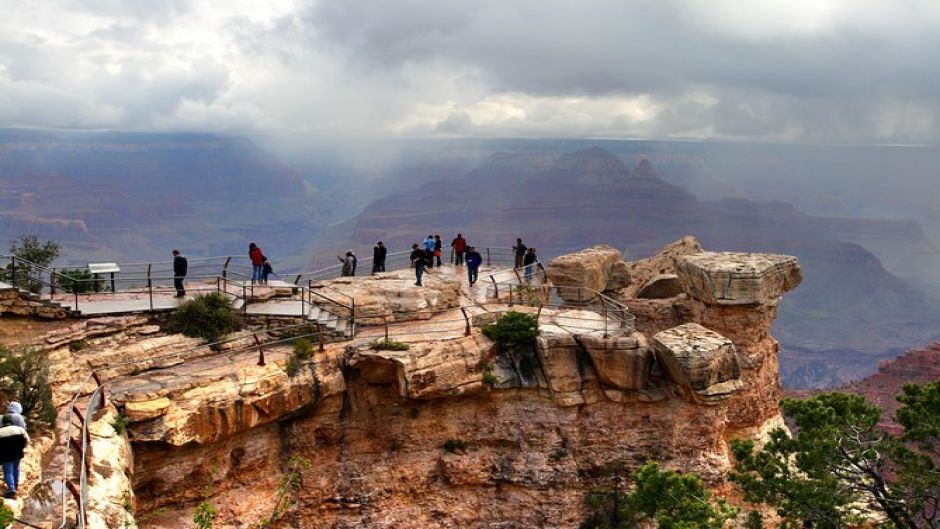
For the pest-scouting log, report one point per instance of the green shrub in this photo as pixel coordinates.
(661, 497)
(29, 248)
(515, 334)
(204, 515)
(513, 330)
(24, 377)
(6, 516)
(77, 345)
(79, 281)
(455, 445)
(292, 367)
(389, 345)
(489, 377)
(120, 424)
(558, 455)
(303, 349)
(208, 316)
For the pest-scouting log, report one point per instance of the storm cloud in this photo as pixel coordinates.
(853, 71)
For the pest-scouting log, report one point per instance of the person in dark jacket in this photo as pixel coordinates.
(13, 440)
(349, 264)
(459, 244)
(529, 262)
(180, 267)
(520, 252)
(418, 260)
(438, 249)
(257, 261)
(474, 260)
(378, 257)
(266, 270)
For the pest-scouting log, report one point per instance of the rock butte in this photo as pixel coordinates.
(526, 437)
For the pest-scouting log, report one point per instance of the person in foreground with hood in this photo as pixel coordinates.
(15, 410)
(13, 441)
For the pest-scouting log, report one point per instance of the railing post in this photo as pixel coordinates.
(487, 256)
(538, 314)
(244, 300)
(495, 287)
(320, 337)
(95, 278)
(466, 331)
(113, 288)
(52, 284)
(97, 379)
(510, 295)
(352, 319)
(225, 273)
(260, 349)
(385, 322)
(150, 285)
(13, 270)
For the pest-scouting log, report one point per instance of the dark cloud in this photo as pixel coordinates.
(860, 71)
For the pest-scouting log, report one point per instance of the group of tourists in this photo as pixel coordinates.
(13, 441)
(425, 255)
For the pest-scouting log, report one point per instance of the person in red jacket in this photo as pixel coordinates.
(460, 246)
(257, 261)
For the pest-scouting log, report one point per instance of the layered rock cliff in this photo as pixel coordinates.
(454, 431)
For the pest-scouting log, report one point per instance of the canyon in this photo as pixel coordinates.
(455, 431)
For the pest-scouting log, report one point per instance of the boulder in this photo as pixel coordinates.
(731, 278)
(427, 370)
(702, 361)
(620, 361)
(598, 268)
(661, 286)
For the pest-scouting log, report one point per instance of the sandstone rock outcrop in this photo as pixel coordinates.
(391, 296)
(623, 362)
(700, 360)
(644, 271)
(598, 268)
(660, 286)
(731, 278)
(427, 370)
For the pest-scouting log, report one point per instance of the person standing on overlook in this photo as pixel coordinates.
(474, 260)
(378, 257)
(418, 260)
(180, 267)
(438, 249)
(257, 261)
(429, 251)
(15, 410)
(459, 244)
(529, 262)
(520, 252)
(349, 264)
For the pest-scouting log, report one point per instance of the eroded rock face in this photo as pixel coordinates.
(623, 362)
(700, 360)
(730, 278)
(661, 286)
(644, 271)
(599, 268)
(427, 370)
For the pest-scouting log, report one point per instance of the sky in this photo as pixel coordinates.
(827, 71)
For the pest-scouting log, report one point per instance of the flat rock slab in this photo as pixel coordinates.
(732, 278)
(700, 360)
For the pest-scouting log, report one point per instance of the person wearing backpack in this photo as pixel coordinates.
(13, 441)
